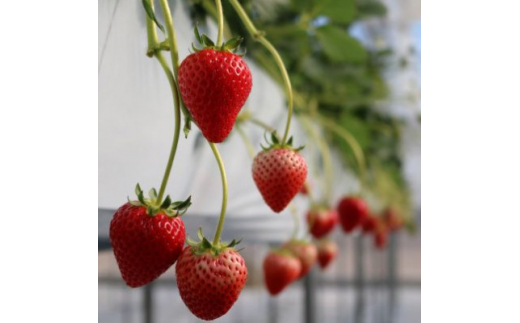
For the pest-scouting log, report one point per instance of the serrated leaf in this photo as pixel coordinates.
(274, 138)
(152, 193)
(149, 11)
(233, 43)
(207, 41)
(197, 34)
(339, 46)
(206, 244)
(167, 202)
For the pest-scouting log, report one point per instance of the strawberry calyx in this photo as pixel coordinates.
(204, 245)
(275, 143)
(231, 45)
(154, 206)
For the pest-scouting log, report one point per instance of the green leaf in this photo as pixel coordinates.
(166, 203)
(372, 8)
(153, 194)
(207, 41)
(197, 34)
(200, 234)
(338, 11)
(274, 138)
(233, 43)
(149, 11)
(339, 46)
(290, 141)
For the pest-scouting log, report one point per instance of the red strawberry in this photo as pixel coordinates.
(214, 85)
(210, 278)
(392, 220)
(369, 224)
(279, 174)
(281, 268)
(327, 251)
(321, 221)
(352, 212)
(306, 253)
(380, 234)
(145, 246)
(147, 237)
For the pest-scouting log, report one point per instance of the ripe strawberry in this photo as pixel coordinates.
(306, 253)
(214, 84)
(352, 212)
(392, 220)
(210, 278)
(281, 268)
(369, 224)
(321, 221)
(279, 174)
(146, 241)
(327, 251)
(380, 234)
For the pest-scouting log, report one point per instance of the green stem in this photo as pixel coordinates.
(177, 130)
(249, 146)
(172, 39)
(220, 22)
(259, 36)
(296, 219)
(152, 49)
(326, 155)
(352, 142)
(262, 124)
(220, 225)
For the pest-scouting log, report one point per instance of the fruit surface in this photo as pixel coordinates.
(145, 246)
(392, 219)
(279, 175)
(380, 234)
(327, 252)
(210, 284)
(306, 252)
(321, 221)
(280, 270)
(214, 86)
(369, 224)
(352, 212)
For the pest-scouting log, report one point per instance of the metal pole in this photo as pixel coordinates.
(359, 280)
(148, 303)
(310, 297)
(392, 277)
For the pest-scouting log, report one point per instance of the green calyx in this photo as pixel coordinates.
(204, 245)
(154, 206)
(275, 143)
(231, 45)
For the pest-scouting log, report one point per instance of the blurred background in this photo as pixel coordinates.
(355, 63)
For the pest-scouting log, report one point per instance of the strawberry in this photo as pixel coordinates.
(281, 268)
(369, 224)
(279, 173)
(210, 277)
(321, 221)
(392, 220)
(147, 240)
(306, 252)
(380, 234)
(352, 212)
(214, 84)
(327, 251)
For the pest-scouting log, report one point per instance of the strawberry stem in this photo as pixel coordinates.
(352, 142)
(325, 154)
(172, 39)
(220, 22)
(296, 219)
(249, 146)
(259, 36)
(220, 224)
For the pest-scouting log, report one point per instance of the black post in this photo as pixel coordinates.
(359, 280)
(392, 277)
(310, 297)
(148, 303)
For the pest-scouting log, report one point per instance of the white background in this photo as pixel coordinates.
(48, 128)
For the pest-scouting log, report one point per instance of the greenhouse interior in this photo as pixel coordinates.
(259, 161)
